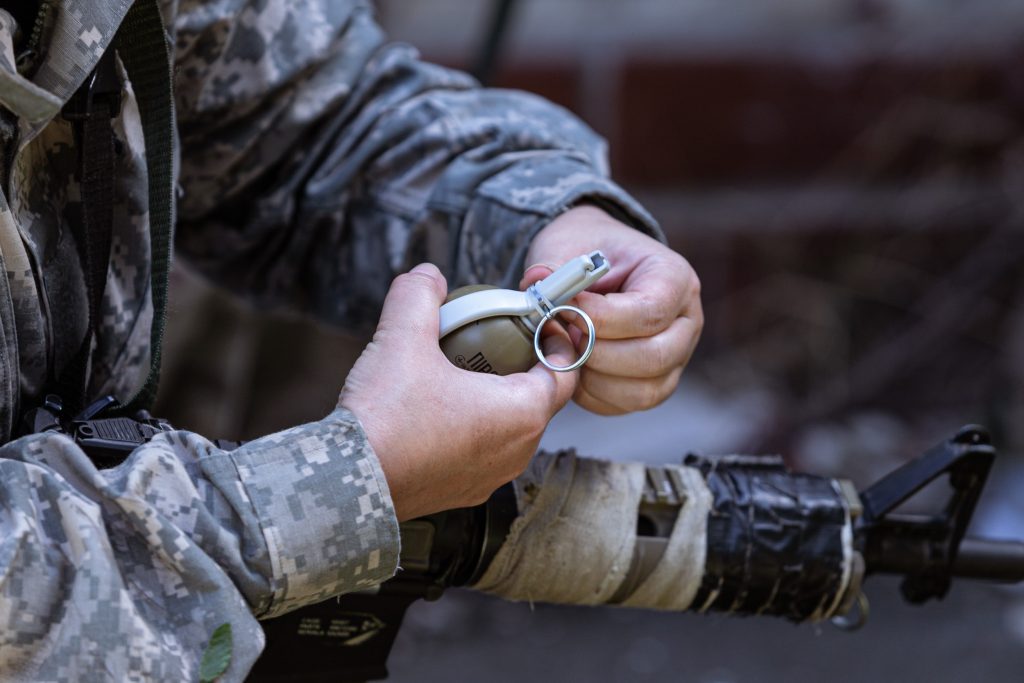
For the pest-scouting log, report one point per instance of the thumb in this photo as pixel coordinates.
(413, 301)
(554, 388)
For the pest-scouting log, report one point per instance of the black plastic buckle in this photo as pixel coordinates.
(101, 87)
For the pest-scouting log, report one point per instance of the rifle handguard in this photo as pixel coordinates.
(739, 534)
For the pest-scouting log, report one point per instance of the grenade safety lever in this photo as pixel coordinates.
(498, 330)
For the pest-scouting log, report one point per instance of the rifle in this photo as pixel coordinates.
(353, 634)
(775, 542)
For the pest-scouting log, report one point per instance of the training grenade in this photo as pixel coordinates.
(487, 329)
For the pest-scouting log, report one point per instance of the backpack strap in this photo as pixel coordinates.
(142, 43)
(91, 110)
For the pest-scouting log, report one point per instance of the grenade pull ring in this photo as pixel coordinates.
(591, 339)
(548, 311)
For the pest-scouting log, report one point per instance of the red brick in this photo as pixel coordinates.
(712, 122)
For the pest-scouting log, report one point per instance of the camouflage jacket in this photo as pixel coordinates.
(316, 162)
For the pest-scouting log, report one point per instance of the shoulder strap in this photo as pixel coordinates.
(142, 44)
(90, 110)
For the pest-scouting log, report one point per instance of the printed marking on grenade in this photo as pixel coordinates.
(479, 363)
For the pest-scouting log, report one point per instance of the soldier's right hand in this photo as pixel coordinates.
(446, 437)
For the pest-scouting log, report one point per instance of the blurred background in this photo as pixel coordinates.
(847, 178)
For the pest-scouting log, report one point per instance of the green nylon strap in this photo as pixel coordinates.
(142, 45)
(90, 111)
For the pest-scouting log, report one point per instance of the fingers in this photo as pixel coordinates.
(648, 308)
(648, 325)
(413, 301)
(596, 405)
(625, 394)
(622, 315)
(647, 357)
(653, 295)
(657, 291)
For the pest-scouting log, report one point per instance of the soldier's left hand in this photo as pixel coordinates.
(646, 310)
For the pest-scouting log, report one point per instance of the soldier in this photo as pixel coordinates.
(311, 163)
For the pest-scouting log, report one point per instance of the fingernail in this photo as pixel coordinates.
(428, 268)
(556, 350)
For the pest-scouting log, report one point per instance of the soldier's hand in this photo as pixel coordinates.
(445, 437)
(646, 311)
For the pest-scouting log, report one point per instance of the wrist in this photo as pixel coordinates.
(571, 229)
(581, 229)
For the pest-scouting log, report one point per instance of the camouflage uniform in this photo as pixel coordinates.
(316, 162)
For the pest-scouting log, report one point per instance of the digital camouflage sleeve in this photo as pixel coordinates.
(317, 162)
(320, 161)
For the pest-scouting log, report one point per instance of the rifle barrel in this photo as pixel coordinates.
(990, 560)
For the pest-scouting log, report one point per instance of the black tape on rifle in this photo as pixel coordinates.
(774, 539)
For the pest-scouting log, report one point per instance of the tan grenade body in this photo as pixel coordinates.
(500, 345)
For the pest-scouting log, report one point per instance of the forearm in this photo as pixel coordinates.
(376, 161)
(151, 556)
